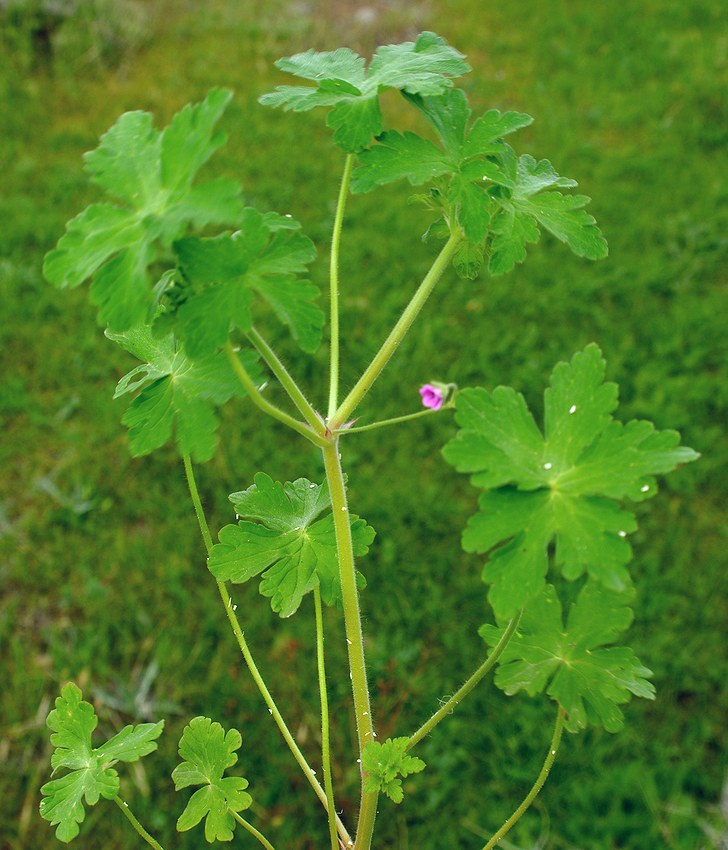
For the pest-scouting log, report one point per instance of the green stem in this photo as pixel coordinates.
(397, 334)
(287, 382)
(456, 698)
(195, 496)
(421, 414)
(252, 667)
(135, 823)
(252, 830)
(264, 404)
(354, 639)
(334, 284)
(538, 785)
(325, 742)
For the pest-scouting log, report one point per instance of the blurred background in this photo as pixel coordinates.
(101, 565)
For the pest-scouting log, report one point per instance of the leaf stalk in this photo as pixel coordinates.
(334, 284)
(448, 707)
(325, 739)
(538, 784)
(397, 334)
(152, 842)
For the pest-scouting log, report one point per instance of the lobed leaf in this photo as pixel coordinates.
(570, 661)
(425, 66)
(177, 395)
(221, 275)
(151, 172)
(564, 485)
(91, 776)
(282, 536)
(207, 752)
(387, 764)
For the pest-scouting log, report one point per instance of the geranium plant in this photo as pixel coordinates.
(553, 498)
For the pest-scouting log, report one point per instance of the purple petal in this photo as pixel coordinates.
(431, 396)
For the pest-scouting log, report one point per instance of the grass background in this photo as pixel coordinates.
(101, 564)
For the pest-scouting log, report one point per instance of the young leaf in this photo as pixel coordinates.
(207, 751)
(220, 275)
(281, 536)
(425, 66)
(469, 158)
(177, 395)
(523, 208)
(151, 173)
(571, 662)
(91, 776)
(564, 484)
(387, 764)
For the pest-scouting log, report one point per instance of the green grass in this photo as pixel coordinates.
(100, 561)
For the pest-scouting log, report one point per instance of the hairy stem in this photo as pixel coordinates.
(252, 830)
(287, 382)
(263, 403)
(135, 823)
(538, 785)
(397, 334)
(325, 741)
(421, 414)
(334, 284)
(456, 698)
(354, 639)
(252, 667)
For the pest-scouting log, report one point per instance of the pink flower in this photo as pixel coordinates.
(432, 396)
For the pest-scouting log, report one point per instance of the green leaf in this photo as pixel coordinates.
(562, 485)
(207, 751)
(397, 157)
(387, 764)
(570, 661)
(425, 66)
(522, 209)
(177, 395)
(91, 776)
(221, 275)
(151, 173)
(282, 535)
(470, 158)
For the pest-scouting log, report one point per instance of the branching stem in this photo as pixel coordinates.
(397, 334)
(537, 786)
(287, 382)
(252, 667)
(263, 403)
(354, 639)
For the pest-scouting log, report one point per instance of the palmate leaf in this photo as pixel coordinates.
(491, 191)
(221, 275)
(462, 159)
(565, 484)
(91, 776)
(151, 173)
(176, 395)
(207, 751)
(282, 535)
(570, 662)
(525, 206)
(343, 81)
(387, 764)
